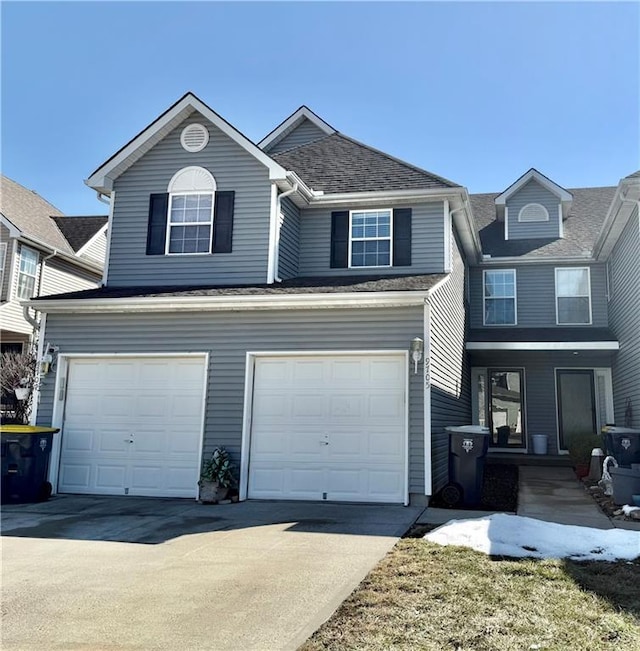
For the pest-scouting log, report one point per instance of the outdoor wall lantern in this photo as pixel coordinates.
(47, 359)
(417, 350)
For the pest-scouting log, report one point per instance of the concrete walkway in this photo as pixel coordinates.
(555, 495)
(145, 574)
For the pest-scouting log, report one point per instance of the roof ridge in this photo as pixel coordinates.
(398, 160)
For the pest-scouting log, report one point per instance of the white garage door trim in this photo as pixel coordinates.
(60, 394)
(251, 358)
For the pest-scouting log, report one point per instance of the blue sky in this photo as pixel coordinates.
(476, 92)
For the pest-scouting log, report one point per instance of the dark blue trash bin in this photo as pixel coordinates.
(623, 443)
(25, 462)
(468, 446)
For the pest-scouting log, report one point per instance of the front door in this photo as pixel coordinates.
(576, 404)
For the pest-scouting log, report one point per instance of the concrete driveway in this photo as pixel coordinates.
(135, 573)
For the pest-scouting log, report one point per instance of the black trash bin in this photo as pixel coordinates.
(623, 443)
(25, 462)
(468, 446)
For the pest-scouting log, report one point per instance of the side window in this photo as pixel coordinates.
(573, 296)
(499, 293)
(27, 273)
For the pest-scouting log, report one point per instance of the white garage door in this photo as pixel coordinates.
(133, 426)
(329, 428)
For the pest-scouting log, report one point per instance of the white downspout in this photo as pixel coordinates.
(278, 227)
(25, 310)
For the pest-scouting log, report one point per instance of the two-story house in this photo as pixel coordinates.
(41, 252)
(305, 302)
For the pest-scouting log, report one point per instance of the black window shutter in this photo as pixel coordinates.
(402, 237)
(157, 228)
(223, 222)
(340, 239)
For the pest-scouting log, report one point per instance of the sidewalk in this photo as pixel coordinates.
(554, 495)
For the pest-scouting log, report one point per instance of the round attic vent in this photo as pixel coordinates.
(194, 137)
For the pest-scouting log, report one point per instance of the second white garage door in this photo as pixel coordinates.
(329, 428)
(133, 426)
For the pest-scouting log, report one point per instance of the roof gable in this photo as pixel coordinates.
(102, 179)
(292, 123)
(545, 182)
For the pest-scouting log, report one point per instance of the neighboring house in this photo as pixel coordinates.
(305, 303)
(42, 252)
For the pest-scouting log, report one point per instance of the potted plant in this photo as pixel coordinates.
(216, 477)
(580, 446)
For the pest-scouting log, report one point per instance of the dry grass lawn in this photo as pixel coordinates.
(424, 596)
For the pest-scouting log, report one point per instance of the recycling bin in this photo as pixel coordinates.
(623, 443)
(25, 462)
(468, 446)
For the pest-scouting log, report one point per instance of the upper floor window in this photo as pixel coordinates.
(533, 212)
(27, 273)
(370, 238)
(191, 199)
(573, 296)
(500, 297)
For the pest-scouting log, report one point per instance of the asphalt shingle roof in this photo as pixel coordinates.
(79, 230)
(337, 163)
(581, 227)
(309, 285)
(30, 213)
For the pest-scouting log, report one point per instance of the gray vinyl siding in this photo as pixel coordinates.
(450, 379)
(357, 329)
(540, 383)
(536, 295)
(624, 316)
(233, 169)
(303, 134)
(427, 246)
(533, 192)
(289, 240)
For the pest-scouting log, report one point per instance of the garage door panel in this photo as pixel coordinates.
(329, 427)
(143, 432)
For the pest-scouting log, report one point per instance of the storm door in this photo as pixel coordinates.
(576, 404)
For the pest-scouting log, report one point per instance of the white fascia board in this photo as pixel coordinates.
(432, 194)
(231, 303)
(554, 188)
(102, 179)
(93, 238)
(291, 123)
(83, 263)
(14, 231)
(627, 195)
(542, 345)
(515, 260)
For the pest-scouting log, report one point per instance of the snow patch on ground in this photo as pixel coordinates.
(628, 510)
(513, 535)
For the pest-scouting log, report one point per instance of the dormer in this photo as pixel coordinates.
(300, 128)
(533, 207)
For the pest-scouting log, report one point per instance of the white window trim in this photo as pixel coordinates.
(185, 194)
(364, 239)
(515, 300)
(588, 270)
(533, 221)
(20, 272)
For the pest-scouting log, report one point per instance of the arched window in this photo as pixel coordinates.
(191, 197)
(533, 212)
